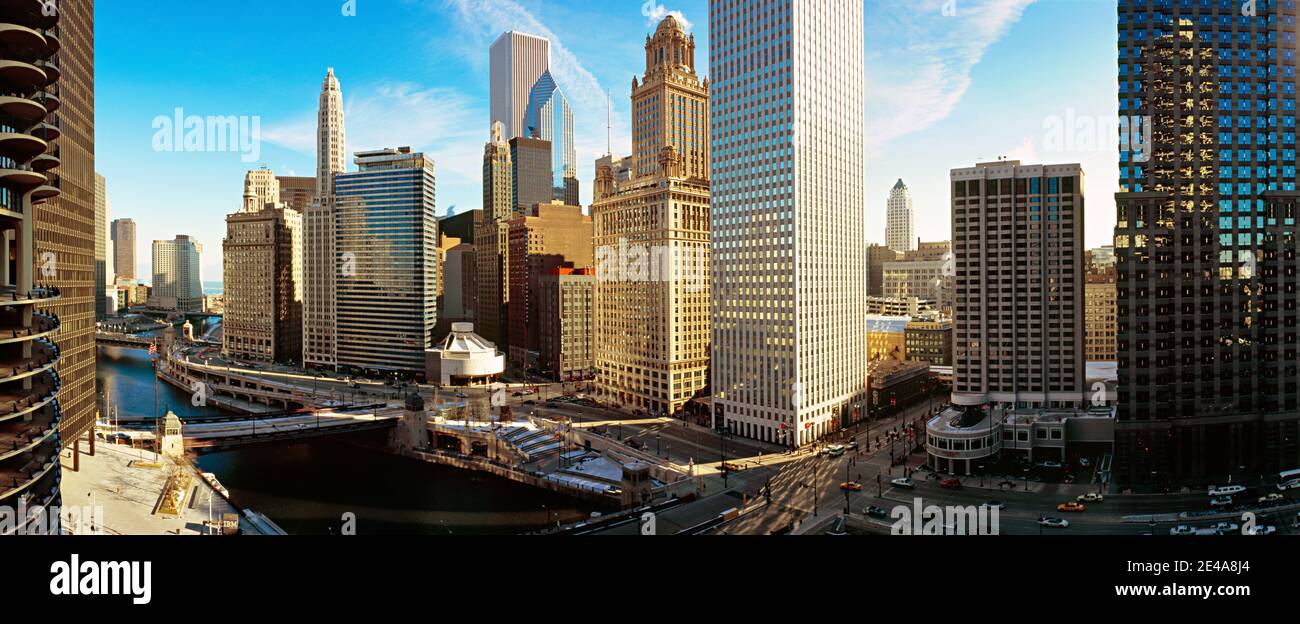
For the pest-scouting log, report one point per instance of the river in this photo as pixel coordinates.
(310, 487)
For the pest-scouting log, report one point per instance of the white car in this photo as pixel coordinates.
(1182, 529)
(1262, 530)
(834, 450)
(1226, 527)
(1227, 490)
(1051, 464)
(1293, 484)
(1054, 523)
(903, 483)
(1271, 498)
(1091, 497)
(1222, 501)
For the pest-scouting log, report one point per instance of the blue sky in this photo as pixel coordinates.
(945, 89)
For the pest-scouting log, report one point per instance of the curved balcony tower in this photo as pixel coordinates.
(29, 385)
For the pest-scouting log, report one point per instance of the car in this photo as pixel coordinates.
(903, 483)
(1083, 461)
(1054, 523)
(1261, 529)
(1091, 497)
(834, 450)
(838, 527)
(950, 484)
(1070, 506)
(853, 445)
(852, 486)
(994, 504)
(1227, 490)
(1272, 497)
(1182, 529)
(877, 512)
(1222, 501)
(1051, 464)
(1293, 484)
(1226, 527)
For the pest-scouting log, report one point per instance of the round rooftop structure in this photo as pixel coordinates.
(464, 358)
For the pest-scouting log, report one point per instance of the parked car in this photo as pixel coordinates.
(950, 484)
(1182, 529)
(1261, 529)
(1071, 507)
(838, 527)
(1226, 527)
(903, 483)
(1271, 498)
(1054, 523)
(1091, 497)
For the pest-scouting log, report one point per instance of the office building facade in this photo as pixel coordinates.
(320, 258)
(900, 219)
(177, 285)
(262, 272)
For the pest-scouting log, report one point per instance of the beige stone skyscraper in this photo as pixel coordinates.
(262, 258)
(319, 270)
(492, 236)
(650, 339)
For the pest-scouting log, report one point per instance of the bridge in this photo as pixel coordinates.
(214, 434)
(132, 341)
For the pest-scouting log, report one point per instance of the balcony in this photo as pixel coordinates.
(15, 366)
(21, 147)
(21, 473)
(22, 107)
(21, 75)
(11, 331)
(52, 42)
(20, 41)
(21, 179)
(49, 100)
(40, 294)
(18, 402)
(24, 435)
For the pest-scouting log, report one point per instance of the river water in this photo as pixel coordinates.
(310, 487)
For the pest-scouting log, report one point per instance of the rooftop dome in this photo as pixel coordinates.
(670, 23)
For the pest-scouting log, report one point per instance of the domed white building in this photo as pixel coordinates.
(464, 358)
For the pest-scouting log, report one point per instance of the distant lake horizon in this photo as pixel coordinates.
(214, 288)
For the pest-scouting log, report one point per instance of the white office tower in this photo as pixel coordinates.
(789, 252)
(900, 219)
(319, 264)
(517, 61)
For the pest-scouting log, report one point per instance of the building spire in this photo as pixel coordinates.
(331, 144)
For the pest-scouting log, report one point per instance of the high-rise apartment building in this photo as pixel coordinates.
(1205, 242)
(123, 233)
(64, 228)
(1018, 247)
(544, 238)
(492, 238)
(44, 409)
(176, 282)
(550, 119)
(320, 260)
(387, 235)
(789, 252)
(1099, 330)
(900, 219)
(651, 331)
(531, 176)
(565, 311)
(517, 60)
(262, 260)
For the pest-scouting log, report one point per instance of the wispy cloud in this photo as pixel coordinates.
(656, 12)
(438, 121)
(482, 21)
(920, 66)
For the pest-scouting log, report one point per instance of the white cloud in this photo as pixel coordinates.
(656, 12)
(922, 53)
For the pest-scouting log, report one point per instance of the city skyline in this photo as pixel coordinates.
(439, 96)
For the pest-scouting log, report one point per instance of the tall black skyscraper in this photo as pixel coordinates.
(1206, 242)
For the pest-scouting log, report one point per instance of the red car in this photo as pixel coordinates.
(950, 484)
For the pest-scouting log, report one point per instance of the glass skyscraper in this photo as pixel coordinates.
(386, 230)
(549, 118)
(1206, 241)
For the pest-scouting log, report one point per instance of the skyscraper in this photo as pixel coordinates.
(176, 282)
(1019, 318)
(651, 324)
(103, 252)
(491, 238)
(387, 236)
(900, 219)
(64, 228)
(517, 60)
(1205, 243)
(542, 239)
(31, 430)
(123, 232)
(789, 251)
(532, 178)
(262, 260)
(549, 118)
(320, 268)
